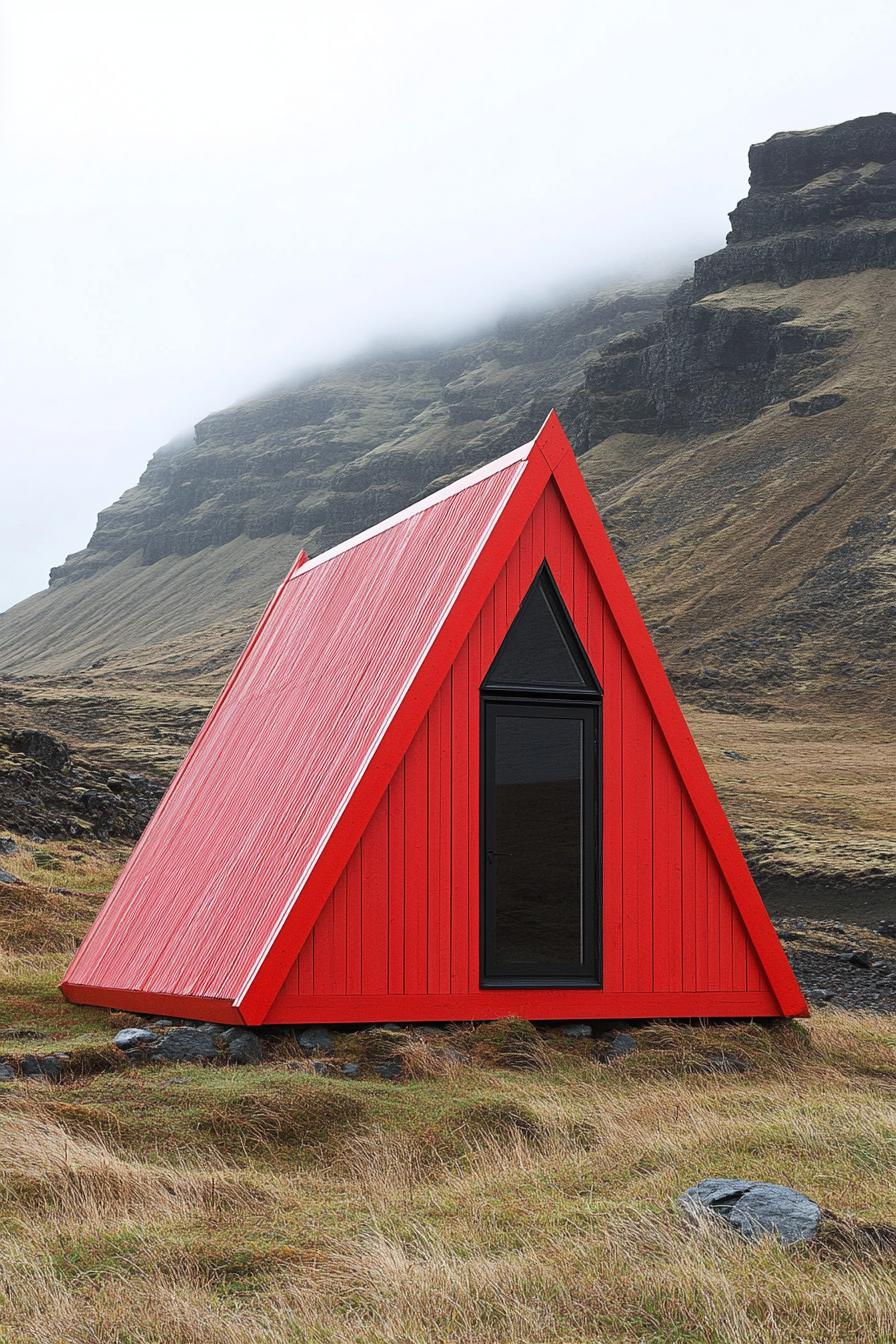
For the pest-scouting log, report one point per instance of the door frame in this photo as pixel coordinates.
(536, 703)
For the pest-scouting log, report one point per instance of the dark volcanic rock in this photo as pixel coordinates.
(44, 1067)
(186, 1045)
(40, 747)
(825, 401)
(242, 1047)
(46, 790)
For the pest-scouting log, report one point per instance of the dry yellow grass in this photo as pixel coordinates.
(194, 1206)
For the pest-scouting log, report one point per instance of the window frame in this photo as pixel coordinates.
(584, 703)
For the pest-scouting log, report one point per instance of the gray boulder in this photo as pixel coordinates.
(7, 1074)
(128, 1037)
(316, 1041)
(186, 1045)
(9, 879)
(576, 1029)
(242, 1047)
(620, 1044)
(7, 845)
(754, 1209)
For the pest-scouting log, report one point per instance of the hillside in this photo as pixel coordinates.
(738, 434)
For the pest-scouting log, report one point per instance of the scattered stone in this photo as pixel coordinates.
(576, 1029)
(857, 957)
(7, 1074)
(43, 1067)
(9, 879)
(321, 1066)
(824, 401)
(735, 756)
(621, 1043)
(430, 1029)
(391, 1070)
(717, 1061)
(316, 1041)
(7, 845)
(129, 1037)
(212, 1028)
(242, 1047)
(887, 928)
(755, 1209)
(351, 1070)
(186, 1045)
(160, 1022)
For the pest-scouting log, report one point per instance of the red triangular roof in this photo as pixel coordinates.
(232, 872)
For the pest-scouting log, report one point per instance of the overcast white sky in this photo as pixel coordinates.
(201, 196)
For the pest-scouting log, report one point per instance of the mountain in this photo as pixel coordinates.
(738, 434)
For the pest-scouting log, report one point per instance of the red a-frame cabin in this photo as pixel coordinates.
(447, 779)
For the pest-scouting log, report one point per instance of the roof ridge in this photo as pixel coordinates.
(420, 506)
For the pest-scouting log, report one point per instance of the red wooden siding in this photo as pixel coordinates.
(401, 926)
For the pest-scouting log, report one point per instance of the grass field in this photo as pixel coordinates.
(471, 1202)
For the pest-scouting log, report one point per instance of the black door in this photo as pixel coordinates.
(540, 804)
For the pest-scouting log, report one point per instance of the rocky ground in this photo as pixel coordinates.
(46, 791)
(845, 965)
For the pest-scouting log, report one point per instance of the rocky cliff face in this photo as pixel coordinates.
(821, 203)
(336, 453)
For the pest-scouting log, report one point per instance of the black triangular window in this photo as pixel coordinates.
(541, 648)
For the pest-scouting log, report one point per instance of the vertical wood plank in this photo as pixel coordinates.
(526, 560)
(613, 929)
(501, 619)
(475, 673)
(306, 966)
(375, 899)
(416, 869)
(323, 949)
(444, 766)
(666, 869)
(462, 785)
(566, 538)
(339, 935)
(354, 923)
(713, 925)
(396, 894)
(688, 898)
(514, 596)
(436, 844)
(701, 907)
(637, 858)
(755, 974)
(726, 934)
